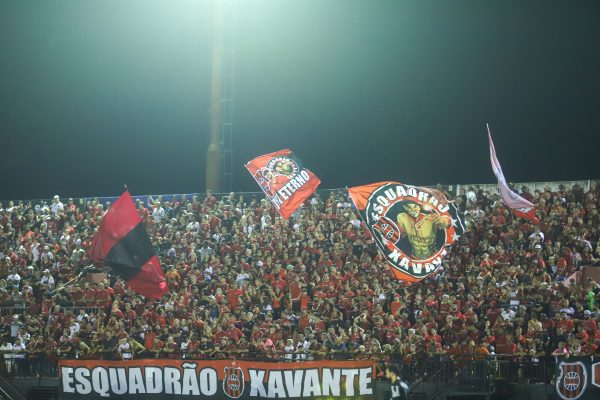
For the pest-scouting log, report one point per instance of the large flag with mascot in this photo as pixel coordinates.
(413, 227)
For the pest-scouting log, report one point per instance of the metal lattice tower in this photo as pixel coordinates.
(229, 44)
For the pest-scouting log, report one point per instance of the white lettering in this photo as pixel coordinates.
(256, 383)
(300, 179)
(331, 384)
(401, 191)
(190, 382)
(83, 385)
(383, 201)
(404, 263)
(390, 194)
(172, 384)
(100, 381)
(295, 184)
(311, 383)
(136, 381)
(305, 175)
(276, 387)
(423, 196)
(293, 382)
(118, 380)
(433, 201)
(208, 381)
(67, 379)
(364, 381)
(154, 382)
(395, 255)
(349, 374)
(412, 192)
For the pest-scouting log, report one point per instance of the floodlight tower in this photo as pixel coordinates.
(219, 160)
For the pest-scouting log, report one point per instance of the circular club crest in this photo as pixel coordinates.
(572, 381)
(233, 382)
(413, 224)
(285, 166)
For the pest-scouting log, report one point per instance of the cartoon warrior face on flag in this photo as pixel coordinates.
(412, 226)
(283, 179)
(276, 174)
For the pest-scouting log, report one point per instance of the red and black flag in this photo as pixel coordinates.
(123, 245)
(284, 180)
(412, 226)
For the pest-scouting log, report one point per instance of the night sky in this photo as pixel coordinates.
(97, 93)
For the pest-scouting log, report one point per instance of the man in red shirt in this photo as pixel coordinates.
(234, 297)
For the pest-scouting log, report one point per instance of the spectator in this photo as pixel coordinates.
(237, 271)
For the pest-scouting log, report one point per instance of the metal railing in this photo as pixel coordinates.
(25, 308)
(452, 188)
(471, 370)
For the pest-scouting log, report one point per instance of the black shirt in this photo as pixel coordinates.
(399, 390)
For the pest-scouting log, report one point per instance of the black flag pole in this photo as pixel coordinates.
(81, 274)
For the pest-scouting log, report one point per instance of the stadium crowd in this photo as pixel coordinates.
(245, 283)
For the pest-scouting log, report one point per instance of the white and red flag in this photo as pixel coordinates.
(518, 205)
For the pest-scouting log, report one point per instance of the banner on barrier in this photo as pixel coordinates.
(218, 379)
(577, 378)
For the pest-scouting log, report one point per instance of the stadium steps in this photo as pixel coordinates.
(467, 396)
(417, 396)
(43, 393)
(8, 391)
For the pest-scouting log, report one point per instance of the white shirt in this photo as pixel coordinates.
(241, 277)
(303, 347)
(158, 214)
(14, 277)
(74, 328)
(194, 226)
(47, 280)
(205, 253)
(36, 252)
(534, 234)
(471, 195)
(55, 207)
(125, 350)
(289, 352)
(19, 349)
(508, 315)
(81, 317)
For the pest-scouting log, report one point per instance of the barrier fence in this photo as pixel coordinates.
(473, 372)
(514, 367)
(452, 188)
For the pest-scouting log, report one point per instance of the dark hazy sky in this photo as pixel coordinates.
(98, 93)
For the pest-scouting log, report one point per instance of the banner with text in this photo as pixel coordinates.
(218, 379)
(413, 226)
(284, 180)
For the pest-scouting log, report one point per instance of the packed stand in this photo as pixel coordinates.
(246, 284)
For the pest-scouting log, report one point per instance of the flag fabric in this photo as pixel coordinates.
(412, 226)
(123, 246)
(521, 207)
(283, 179)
